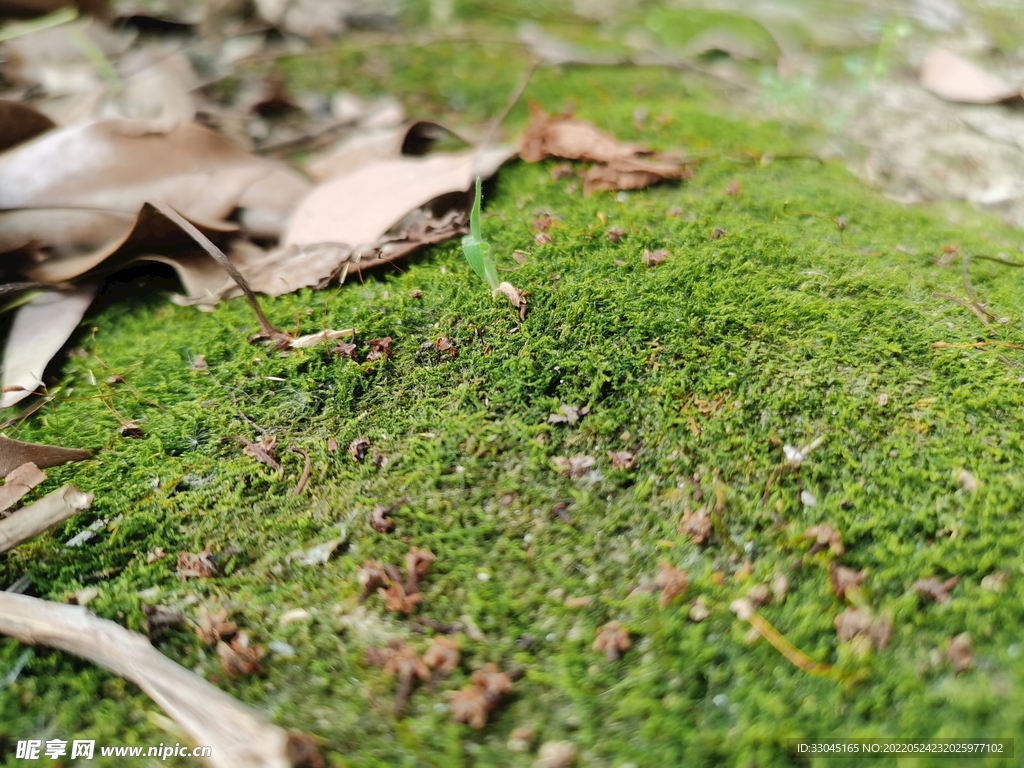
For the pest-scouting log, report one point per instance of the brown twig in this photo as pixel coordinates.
(49, 511)
(258, 453)
(298, 489)
(266, 327)
(963, 303)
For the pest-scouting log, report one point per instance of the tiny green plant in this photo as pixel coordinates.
(477, 250)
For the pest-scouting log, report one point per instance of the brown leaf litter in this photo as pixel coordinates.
(574, 467)
(379, 516)
(159, 619)
(18, 483)
(473, 703)
(654, 258)
(239, 658)
(843, 579)
(612, 640)
(825, 536)
(568, 414)
(863, 629)
(197, 565)
(624, 460)
(213, 627)
(959, 653)
(399, 596)
(936, 590)
(617, 165)
(400, 660)
(442, 655)
(358, 448)
(672, 582)
(697, 525)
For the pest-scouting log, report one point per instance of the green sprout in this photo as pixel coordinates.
(477, 250)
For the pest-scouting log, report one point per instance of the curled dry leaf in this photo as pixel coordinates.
(514, 296)
(574, 467)
(238, 658)
(358, 447)
(568, 414)
(617, 165)
(475, 701)
(380, 349)
(406, 665)
(18, 483)
(417, 564)
(654, 258)
(959, 653)
(157, 553)
(844, 579)
(612, 640)
(697, 525)
(444, 344)
(966, 480)
(825, 536)
(371, 576)
(615, 234)
(197, 566)
(397, 600)
(863, 630)
(130, 429)
(443, 654)
(160, 618)
(624, 460)
(211, 628)
(935, 589)
(672, 581)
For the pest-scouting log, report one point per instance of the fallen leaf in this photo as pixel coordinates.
(38, 331)
(953, 78)
(556, 754)
(130, 429)
(20, 122)
(578, 602)
(997, 581)
(469, 705)
(319, 554)
(238, 658)
(358, 448)
(514, 296)
(197, 565)
(417, 565)
(520, 739)
(759, 595)
(935, 589)
(316, 339)
(624, 460)
(844, 579)
(214, 627)
(959, 653)
(444, 344)
(825, 536)
(160, 618)
(406, 665)
(574, 467)
(612, 640)
(443, 654)
(863, 630)
(397, 600)
(332, 443)
(672, 581)
(492, 681)
(379, 195)
(380, 349)
(615, 234)
(18, 483)
(379, 517)
(852, 622)
(699, 610)
(568, 414)
(620, 165)
(263, 450)
(697, 525)
(157, 553)
(370, 576)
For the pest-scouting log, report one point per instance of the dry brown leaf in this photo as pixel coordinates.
(378, 196)
(574, 467)
(864, 630)
(18, 483)
(615, 234)
(672, 581)
(38, 331)
(238, 658)
(935, 589)
(318, 19)
(953, 78)
(397, 600)
(699, 610)
(568, 414)
(959, 653)
(14, 453)
(358, 447)
(697, 525)
(612, 640)
(379, 517)
(443, 654)
(516, 298)
(118, 166)
(844, 579)
(370, 576)
(492, 681)
(197, 565)
(380, 349)
(625, 460)
(417, 565)
(852, 622)
(825, 536)
(214, 627)
(160, 618)
(19, 122)
(469, 705)
(403, 663)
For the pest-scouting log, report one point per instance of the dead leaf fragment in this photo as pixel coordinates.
(654, 258)
(238, 658)
(697, 525)
(863, 630)
(380, 349)
(443, 654)
(844, 579)
(406, 665)
(130, 429)
(612, 640)
(197, 565)
(672, 581)
(556, 754)
(624, 460)
(615, 234)
(211, 628)
(417, 565)
(574, 467)
(397, 600)
(699, 610)
(953, 78)
(966, 480)
(475, 701)
(935, 589)
(852, 622)
(370, 576)
(160, 618)
(997, 581)
(516, 298)
(959, 653)
(568, 414)
(18, 483)
(825, 536)
(379, 516)
(157, 553)
(358, 447)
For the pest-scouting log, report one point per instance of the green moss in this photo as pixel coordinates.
(790, 326)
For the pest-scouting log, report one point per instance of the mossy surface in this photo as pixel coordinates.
(782, 330)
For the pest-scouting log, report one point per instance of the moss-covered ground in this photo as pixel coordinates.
(783, 330)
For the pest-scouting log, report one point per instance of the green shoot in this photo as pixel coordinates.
(477, 250)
